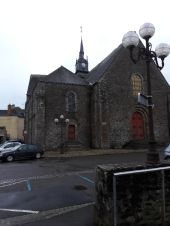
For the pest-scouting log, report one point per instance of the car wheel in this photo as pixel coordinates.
(10, 158)
(38, 156)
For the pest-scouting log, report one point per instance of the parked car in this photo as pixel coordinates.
(12, 140)
(23, 151)
(9, 145)
(167, 152)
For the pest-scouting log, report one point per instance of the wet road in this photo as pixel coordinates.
(36, 191)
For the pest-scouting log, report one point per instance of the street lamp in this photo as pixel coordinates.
(131, 40)
(62, 122)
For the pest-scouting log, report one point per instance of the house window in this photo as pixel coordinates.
(136, 84)
(71, 102)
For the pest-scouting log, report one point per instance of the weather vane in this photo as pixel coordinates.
(81, 29)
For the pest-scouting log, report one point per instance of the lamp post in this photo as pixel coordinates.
(131, 40)
(25, 135)
(62, 122)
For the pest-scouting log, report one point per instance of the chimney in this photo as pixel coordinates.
(9, 111)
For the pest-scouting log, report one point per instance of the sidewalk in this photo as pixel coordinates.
(89, 152)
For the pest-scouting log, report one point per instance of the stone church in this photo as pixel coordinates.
(101, 106)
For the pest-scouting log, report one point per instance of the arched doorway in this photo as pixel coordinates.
(71, 133)
(138, 131)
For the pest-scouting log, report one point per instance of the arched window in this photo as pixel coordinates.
(71, 102)
(136, 84)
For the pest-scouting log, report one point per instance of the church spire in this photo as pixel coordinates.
(81, 53)
(81, 63)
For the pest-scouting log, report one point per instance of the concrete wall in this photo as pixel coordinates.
(14, 126)
(140, 197)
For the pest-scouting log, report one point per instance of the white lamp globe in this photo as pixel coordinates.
(130, 39)
(56, 120)
(61, 116)
(147, 30)
(162, 50)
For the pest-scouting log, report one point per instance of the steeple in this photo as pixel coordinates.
(81, 53)
(81, 63)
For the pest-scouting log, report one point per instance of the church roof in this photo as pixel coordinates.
(60, 76)
(63, 75)
(97, 72)
(33, 81)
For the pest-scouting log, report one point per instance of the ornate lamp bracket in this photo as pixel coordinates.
(146, 54)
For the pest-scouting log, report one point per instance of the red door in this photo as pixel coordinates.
(138, 126)
(71, 132)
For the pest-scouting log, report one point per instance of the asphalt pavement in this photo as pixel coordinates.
(80, 217)
(79, 213)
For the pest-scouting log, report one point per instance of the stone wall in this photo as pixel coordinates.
(114, 103)
(132, 195)
(56, 104)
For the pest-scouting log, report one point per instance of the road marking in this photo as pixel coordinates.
(29, 185)
(42, 215)
(87, 179)
(10, 182)
(21, 211)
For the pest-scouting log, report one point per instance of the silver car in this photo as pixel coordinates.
(8, 146)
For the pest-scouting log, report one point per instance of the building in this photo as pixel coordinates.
(101, 105)
(11, 123)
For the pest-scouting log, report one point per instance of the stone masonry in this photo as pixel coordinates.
(132, 195)
(105, 105)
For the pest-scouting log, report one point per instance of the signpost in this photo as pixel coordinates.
(144, 100)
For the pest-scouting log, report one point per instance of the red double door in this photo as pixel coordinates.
(138, 131)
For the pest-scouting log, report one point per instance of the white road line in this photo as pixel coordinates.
(87, 179)
(21, 211)
(12, 183)
(42, 215)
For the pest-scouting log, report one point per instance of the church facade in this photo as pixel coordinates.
(101, 104)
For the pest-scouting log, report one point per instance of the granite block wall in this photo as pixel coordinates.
(132, 195)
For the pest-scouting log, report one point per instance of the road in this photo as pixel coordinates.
(52, 191)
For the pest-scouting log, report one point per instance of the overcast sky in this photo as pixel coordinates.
(38, 36)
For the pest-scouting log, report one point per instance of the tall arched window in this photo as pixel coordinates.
(71, 102)
(136, 84)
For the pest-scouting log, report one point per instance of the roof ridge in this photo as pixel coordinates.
(97, 72)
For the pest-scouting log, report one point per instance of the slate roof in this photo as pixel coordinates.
(97, 72)
(33, 81)
(15, 112)
(63, 75)
(3, 112)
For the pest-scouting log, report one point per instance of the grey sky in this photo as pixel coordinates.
(38, 36)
